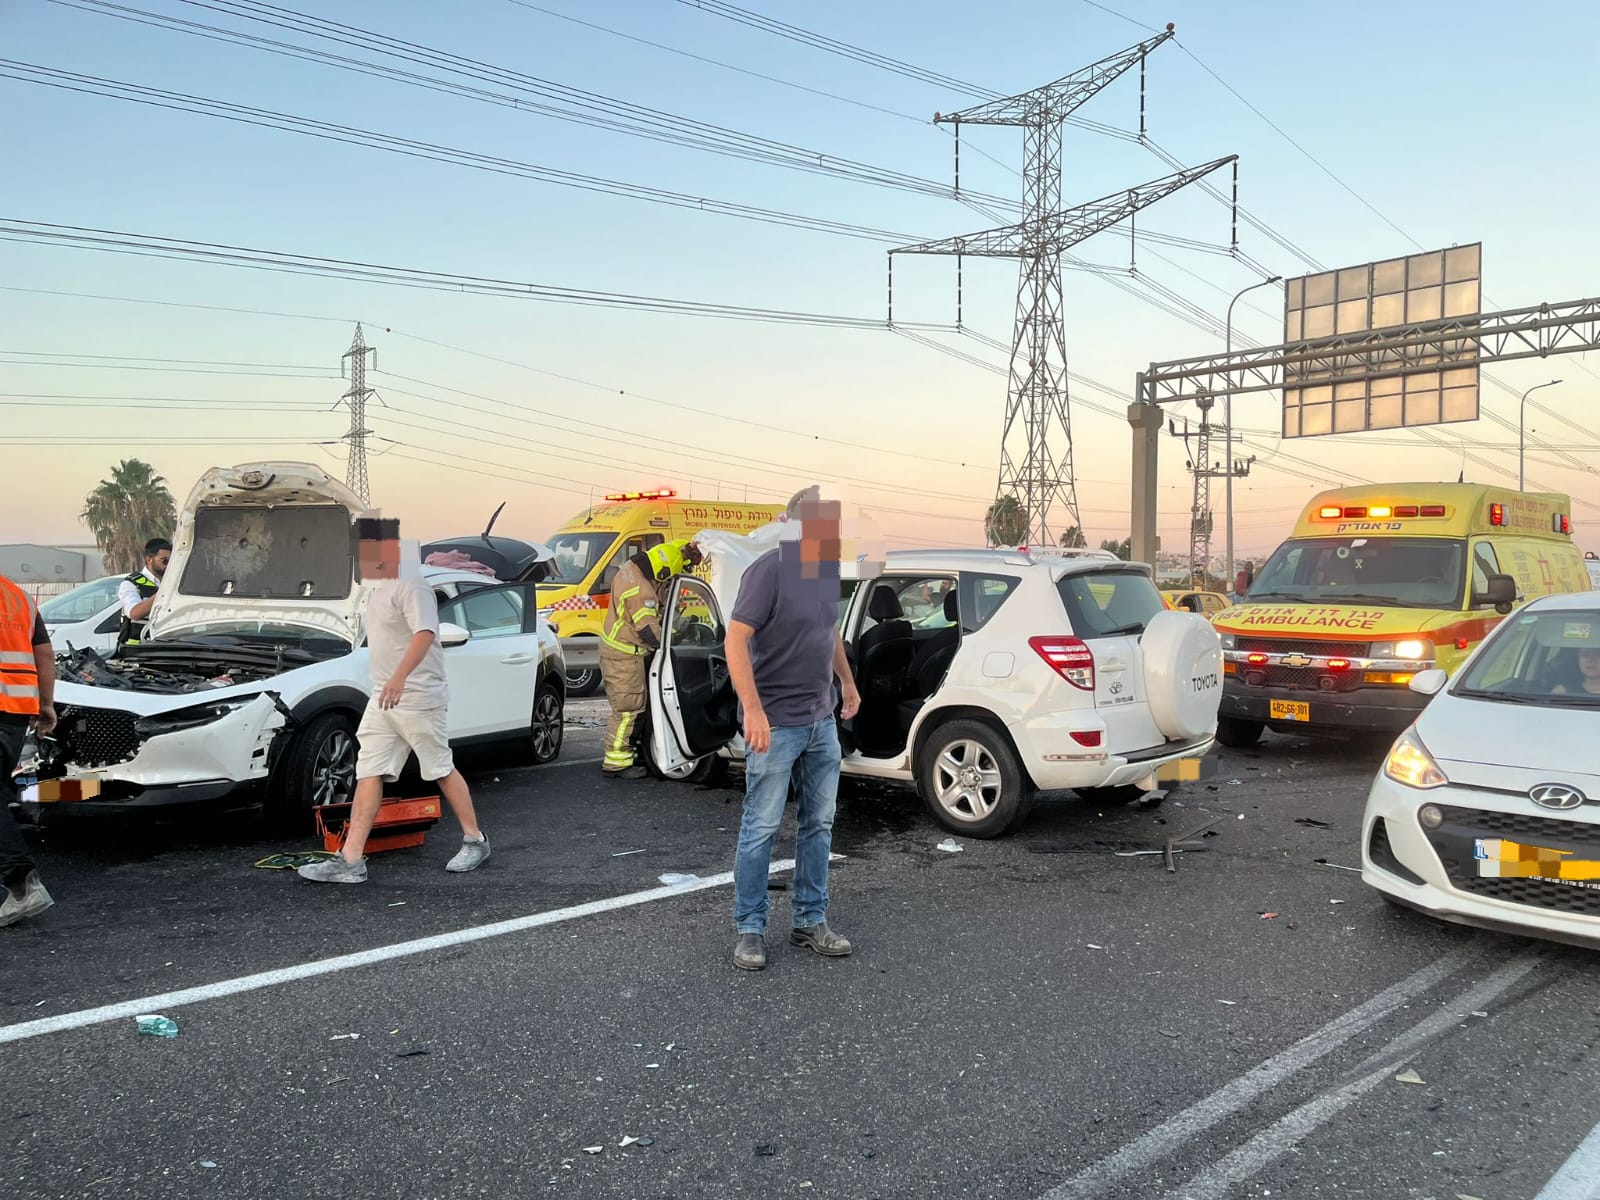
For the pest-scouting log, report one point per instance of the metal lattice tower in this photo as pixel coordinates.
(1036, 442)
(356, 400)
(1204, 471)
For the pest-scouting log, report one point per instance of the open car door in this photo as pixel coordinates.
(694, 709)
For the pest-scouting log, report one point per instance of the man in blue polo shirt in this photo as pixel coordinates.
(784, 652)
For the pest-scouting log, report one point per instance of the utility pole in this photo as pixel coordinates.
(356, 400)
(1227, 419)
(1522, 430)
(1036, 463)
(1204, 471)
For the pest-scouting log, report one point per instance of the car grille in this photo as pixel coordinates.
(1319, 649)
(1299, 678)
(96, 737)
(1453, 842)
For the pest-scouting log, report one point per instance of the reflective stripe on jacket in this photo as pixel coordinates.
(633, 608)
(19, 675)
(131, 630)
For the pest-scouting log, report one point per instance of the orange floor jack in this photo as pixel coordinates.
(402, 822)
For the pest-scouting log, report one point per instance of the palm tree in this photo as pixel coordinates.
(1073, 538)
(1006, 524)
(126, 510)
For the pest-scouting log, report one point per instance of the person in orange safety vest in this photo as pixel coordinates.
(27, 697)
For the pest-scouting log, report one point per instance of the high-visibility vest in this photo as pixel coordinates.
(132, 630)
(19, 676)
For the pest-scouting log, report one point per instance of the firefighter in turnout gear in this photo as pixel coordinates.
(137, 592)
(631, 635)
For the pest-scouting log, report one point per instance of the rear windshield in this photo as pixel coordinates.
(1109, 603)
(291, 553)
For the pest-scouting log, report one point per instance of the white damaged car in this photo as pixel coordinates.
(252, 676)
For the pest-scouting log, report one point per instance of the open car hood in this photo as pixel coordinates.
(269, 541)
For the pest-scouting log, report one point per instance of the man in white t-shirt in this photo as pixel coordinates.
(407, 711)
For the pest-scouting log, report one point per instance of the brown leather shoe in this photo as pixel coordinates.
(821, 939)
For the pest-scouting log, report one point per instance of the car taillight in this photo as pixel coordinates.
(1071, 659)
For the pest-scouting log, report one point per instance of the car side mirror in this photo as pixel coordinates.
(1502, 593)
(1428, 683)
(452, 635)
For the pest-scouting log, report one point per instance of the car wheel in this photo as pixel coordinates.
(708, 770)
(583, 681)
(320, 768)
(548, 724)
(1240, 735)
(971, 780)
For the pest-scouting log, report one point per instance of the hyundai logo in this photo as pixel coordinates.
(1556, 795)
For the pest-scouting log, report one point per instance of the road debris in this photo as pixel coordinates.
(593, 1149)
(414, 1052)
(397, 904)
(1092, 946)
(156, 1025)
(343, 1037)
(1313, 823)
(1269, 916)
(626, 1142)
(1229, 1003)
(625, 853)
(1322, 862)
(1408, 1077)
(208, 1164)
(678, 878)
(1186, 840)
(765, 1150)
(950, 846)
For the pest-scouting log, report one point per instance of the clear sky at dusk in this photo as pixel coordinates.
(1456, 122)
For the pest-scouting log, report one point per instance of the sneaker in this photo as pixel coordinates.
(337, 869)
(636, 771)
(33, 901)
(750, 952)
(471, 855)
(820, 939)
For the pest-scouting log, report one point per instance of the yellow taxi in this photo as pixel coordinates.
(1375, 585)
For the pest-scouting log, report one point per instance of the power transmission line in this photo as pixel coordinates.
(180, 249)
(206, 106)
(550, 99)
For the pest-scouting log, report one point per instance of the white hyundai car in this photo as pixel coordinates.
(252, 675)
(1039, 674)
(1487, 810)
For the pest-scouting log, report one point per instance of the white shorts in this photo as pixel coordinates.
(388, 736)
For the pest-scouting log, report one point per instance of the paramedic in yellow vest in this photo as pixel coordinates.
(27, 697)
(137, 593)
(630, 637)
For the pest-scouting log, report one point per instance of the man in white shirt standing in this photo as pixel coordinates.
(137, 593)
(407, 710)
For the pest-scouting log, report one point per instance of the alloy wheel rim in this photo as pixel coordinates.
(967, 780)
(333, 771)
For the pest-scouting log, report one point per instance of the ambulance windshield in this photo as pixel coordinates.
(1405, 572)
(575, 557)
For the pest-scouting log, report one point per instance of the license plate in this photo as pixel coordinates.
(1500, 858)
(1290, 710)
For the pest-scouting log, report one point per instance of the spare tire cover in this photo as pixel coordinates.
(1182, 673)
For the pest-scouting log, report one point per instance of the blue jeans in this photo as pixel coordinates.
(810, 754)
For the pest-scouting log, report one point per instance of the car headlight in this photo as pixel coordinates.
(1413, 649)
(189, 718)
(1410, 763)
(1228, 641)
(547, 615)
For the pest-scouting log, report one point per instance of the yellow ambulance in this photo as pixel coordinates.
(1374, 585)
(575, 590)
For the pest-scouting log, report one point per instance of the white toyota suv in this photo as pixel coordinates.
(985, 675)
(252, 675)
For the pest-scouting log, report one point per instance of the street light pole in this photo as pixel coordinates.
(1522, 409)
(1227, 425)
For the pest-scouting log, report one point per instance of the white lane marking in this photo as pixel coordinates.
(1579, 1176)
(1217, 1180)
(1155, 1145)
(361, 958)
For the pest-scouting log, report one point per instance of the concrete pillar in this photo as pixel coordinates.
(1146, 421)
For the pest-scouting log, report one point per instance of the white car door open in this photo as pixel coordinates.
(692, 700)
(493, 676)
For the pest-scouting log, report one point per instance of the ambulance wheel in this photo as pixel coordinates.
(1237, 734)
(583, 681)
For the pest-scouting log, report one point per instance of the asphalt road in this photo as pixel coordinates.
(1032, 1017)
